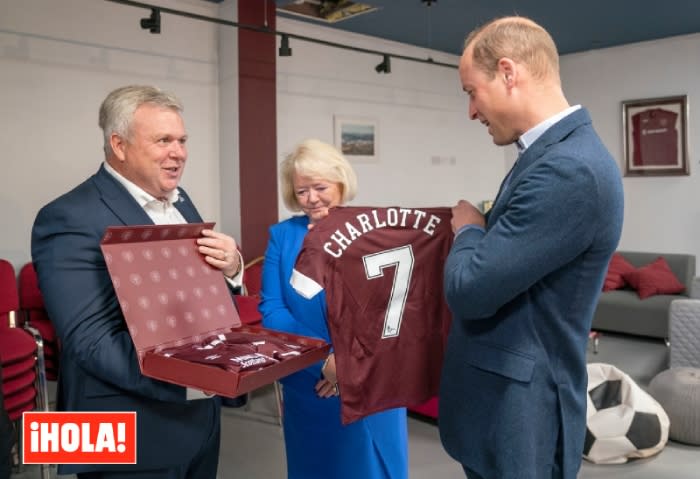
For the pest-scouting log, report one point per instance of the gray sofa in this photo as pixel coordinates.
(621, 311)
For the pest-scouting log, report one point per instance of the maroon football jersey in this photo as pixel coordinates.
(233, 357)
(381, 269)
(655, 138)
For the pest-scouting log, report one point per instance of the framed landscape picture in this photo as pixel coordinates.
(656, 136)
(356, 138)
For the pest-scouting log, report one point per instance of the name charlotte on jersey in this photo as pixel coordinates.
(342, 238)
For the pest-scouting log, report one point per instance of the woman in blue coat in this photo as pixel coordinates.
(313, 178)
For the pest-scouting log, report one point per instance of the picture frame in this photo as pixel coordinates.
(357, 138)
(656, 136)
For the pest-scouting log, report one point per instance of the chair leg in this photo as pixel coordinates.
(17, 464)
(42, 401)
(42, 397)
(278, 400)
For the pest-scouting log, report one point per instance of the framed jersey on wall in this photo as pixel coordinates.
(656, 136)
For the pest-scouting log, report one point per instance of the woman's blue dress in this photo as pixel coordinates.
(317, 444)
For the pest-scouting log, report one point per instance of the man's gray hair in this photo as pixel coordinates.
(117, 110)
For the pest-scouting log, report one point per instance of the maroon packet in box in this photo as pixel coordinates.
(171, 297)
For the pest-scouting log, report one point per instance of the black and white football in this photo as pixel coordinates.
(623, 421)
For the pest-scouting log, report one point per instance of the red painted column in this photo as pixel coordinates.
(257, 125)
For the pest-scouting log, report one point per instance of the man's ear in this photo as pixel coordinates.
(507, 71)
(118, 145)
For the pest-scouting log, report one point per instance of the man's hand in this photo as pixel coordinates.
(220, 251)
(465, 213)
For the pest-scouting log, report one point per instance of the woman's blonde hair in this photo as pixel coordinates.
(316, 159)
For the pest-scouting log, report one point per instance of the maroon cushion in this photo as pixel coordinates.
(29, 293)
(20, 398)
(15, 412)
(248, 309)
(428, 408)
(252, 276)
(654, 278)
(9, 298)
(15, 345)
(13, 370)
(39, 321)
(51, 370)
(616, 269)
(50, 363)
(18, 383)
(50, 350)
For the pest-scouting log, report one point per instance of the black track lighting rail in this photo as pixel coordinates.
(256, 28)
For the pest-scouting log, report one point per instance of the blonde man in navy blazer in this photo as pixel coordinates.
(522, 281)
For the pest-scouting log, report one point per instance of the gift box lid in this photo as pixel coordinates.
(168, 293)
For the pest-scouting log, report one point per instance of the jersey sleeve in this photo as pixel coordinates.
(308, 273)
(304, 285)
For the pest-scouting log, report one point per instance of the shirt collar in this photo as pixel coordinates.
(531, 135)
(142, 197)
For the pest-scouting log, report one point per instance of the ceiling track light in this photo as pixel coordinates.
(152, 23)
(284, 50)
(384, 66)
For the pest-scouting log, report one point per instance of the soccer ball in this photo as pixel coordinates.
(622, 421)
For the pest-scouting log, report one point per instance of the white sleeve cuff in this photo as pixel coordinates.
(237, 281)
(304, 285)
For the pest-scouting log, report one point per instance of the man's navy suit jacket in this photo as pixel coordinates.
(522, 295)
(99, 370)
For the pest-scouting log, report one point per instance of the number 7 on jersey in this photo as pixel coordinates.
(402, 258)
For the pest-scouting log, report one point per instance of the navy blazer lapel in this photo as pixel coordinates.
(555, 134)
(186, 208)
(505, 178)
(127, 209)
(119, 200)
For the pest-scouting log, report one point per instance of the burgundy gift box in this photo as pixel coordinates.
(172, 298)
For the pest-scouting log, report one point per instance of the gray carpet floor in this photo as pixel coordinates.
(253, 448)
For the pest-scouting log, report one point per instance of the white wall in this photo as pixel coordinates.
(58, 60)
(661, 213)
(421, 112)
